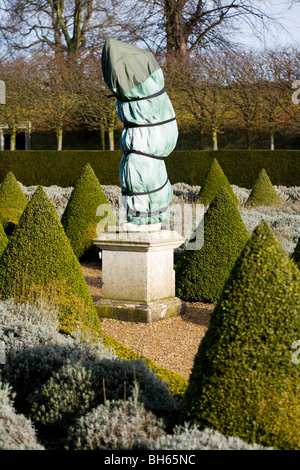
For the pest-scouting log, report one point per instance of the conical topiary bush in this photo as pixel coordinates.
(3, 240)
(80, 218)
(39, 261)
(12, 202)
(201, 274)
(244, 381)
(296, 253)
(263, 192)
(214, 180)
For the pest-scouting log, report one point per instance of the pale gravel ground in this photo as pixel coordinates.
(170, 343)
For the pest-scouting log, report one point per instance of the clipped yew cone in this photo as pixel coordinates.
(201, 274)
(263, 192)
(39, 262)
(12, 202)
(215, 179)
(245, 381)
(80, 219)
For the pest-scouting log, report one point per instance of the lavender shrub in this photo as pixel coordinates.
(285, 221)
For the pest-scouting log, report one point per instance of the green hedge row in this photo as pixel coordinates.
(49, 167)
(240, 166)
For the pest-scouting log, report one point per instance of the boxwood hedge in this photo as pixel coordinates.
(49, 167)
(263, 192)
(214, 181)
(3, 240)
(244, 382)
(80, 219)
(39, 262)
(201, 274)
(12, 202)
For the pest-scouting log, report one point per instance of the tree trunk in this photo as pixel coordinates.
(13, 138)
(59, 137)
(174, 28)
(1, 140)
(111, 138)
(111, 127)
(102, 138)
(248, 143)
(215, 139)
(272, 139)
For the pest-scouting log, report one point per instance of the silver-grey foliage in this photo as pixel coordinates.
(24, 326)
(288, 194)
(76, 388)
(35, 348)
(127, 425)
(57, 195)
(184, 192)
(189, 437)
(286, 225)
(116, 424)
(241, 193)
(58, 382)
(2, 92)
(16, 431)
(285, 221)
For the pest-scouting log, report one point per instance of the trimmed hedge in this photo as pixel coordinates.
(244, 382)
(12, 202)
(49, 167)
(263, 192)
(79, 219)
(214, 181)
(201, 274)
(39, 262)
(3, 240)
(241, 167)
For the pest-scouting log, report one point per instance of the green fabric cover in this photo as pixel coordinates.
(125, 66)
(132, 73)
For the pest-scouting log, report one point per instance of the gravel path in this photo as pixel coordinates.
(170, 343)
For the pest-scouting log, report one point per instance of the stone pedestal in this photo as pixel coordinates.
(138, 275)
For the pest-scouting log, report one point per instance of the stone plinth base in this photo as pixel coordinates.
(138, 275)
(145, 312)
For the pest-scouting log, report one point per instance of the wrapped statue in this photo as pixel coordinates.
(149, 134)
(2, 92)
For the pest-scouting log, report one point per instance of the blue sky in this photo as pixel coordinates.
(276, 36)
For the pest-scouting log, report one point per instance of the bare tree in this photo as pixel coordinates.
(270, 114)
(205, 92)
(182, 26)
(176, 26)
(97, 110)
(279, 68)
(20, 96)
(58, 87)
(285, 66)
(71, 26)
(246, 75)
